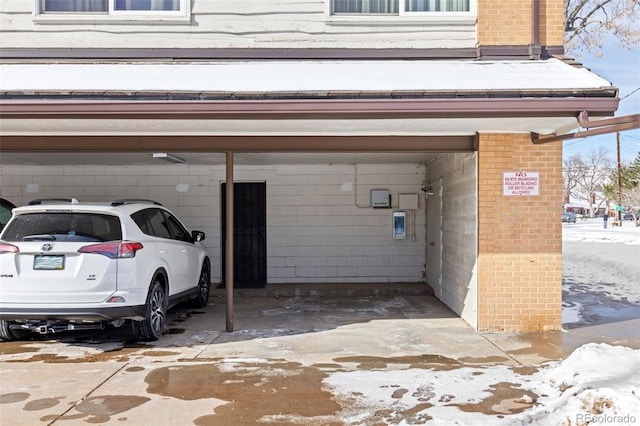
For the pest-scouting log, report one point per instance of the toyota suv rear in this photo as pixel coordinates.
(66, 265)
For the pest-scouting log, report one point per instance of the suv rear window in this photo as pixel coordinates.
(48, 226)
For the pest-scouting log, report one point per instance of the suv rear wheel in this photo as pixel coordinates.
(152, 326)
(8, 334)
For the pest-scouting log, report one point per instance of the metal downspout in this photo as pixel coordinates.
(606, 125)
(229, 241)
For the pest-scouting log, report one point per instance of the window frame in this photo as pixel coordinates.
(471, 11)
(402, 13)
(112, 15)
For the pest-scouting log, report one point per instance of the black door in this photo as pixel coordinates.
(249, 234)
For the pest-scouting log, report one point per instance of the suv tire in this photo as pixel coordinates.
(152, 326)
(8, 334)
(204, 284)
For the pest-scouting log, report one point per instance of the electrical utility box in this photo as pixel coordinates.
(380, 199)
(408, 201)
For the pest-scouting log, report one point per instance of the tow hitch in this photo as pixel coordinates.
(56, 328)
(43, 329)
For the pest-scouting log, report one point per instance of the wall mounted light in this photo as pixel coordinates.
(169, 157)
(427, 191)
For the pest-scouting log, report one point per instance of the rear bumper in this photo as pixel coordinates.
(75, 314)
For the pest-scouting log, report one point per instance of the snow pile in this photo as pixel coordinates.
(597, 384)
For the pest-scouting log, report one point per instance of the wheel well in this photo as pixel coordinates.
(161, 276)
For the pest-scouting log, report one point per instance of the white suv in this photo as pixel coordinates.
(66, 265)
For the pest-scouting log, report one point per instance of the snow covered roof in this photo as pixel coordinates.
(300, 97)
(302, 76)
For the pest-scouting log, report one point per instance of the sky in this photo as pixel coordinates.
(621, 67)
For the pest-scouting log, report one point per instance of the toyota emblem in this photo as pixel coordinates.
(47, 247)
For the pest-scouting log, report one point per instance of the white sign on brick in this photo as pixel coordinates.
(521, 183)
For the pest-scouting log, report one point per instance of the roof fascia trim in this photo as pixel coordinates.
(317, 108)
(253, 143)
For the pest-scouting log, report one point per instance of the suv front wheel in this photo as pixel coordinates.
(204, 284)
(152, 326)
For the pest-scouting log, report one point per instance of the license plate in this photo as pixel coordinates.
(49, 262)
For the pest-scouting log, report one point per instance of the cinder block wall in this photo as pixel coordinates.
(519, 237)
(458, 287)
(508, 22)
(320, 227)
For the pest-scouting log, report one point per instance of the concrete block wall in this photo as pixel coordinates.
(458, 174)
(320, 225)
(321, 228)
(519, 237)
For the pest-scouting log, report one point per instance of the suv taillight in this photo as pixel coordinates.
(113, 250)
(8, 248)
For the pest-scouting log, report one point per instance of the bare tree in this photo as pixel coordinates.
(584, 178)
(589, 22)
(572, 171)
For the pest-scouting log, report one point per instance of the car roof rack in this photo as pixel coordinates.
(52, 201)
(123, 201)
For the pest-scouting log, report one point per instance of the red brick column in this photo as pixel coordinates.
(519, 237)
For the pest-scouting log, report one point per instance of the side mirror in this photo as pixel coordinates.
(197, 236)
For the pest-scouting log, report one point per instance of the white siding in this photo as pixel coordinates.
(317, 229)
(236, 24)
(459, 231)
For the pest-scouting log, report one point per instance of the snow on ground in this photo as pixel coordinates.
(601, 272)
(598, 384)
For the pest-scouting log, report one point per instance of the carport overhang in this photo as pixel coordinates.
(293, 125)
(371, 115)
(290, 105)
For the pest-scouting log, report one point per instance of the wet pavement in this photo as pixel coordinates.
(272, 368)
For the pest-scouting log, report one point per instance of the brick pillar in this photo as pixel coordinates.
(519, 237)
(508, 22)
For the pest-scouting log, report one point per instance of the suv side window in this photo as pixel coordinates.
(161, 224)
(5, 212)
(152, 222)
(178, 231)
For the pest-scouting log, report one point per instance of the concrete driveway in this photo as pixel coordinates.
(284, 344)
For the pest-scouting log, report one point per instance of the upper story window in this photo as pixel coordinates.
(113, 7)
(398, 7)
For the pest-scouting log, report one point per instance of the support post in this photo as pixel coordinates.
(229, 242)
(619, 180)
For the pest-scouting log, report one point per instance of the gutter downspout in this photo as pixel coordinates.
(606, 125)
(534, 48)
